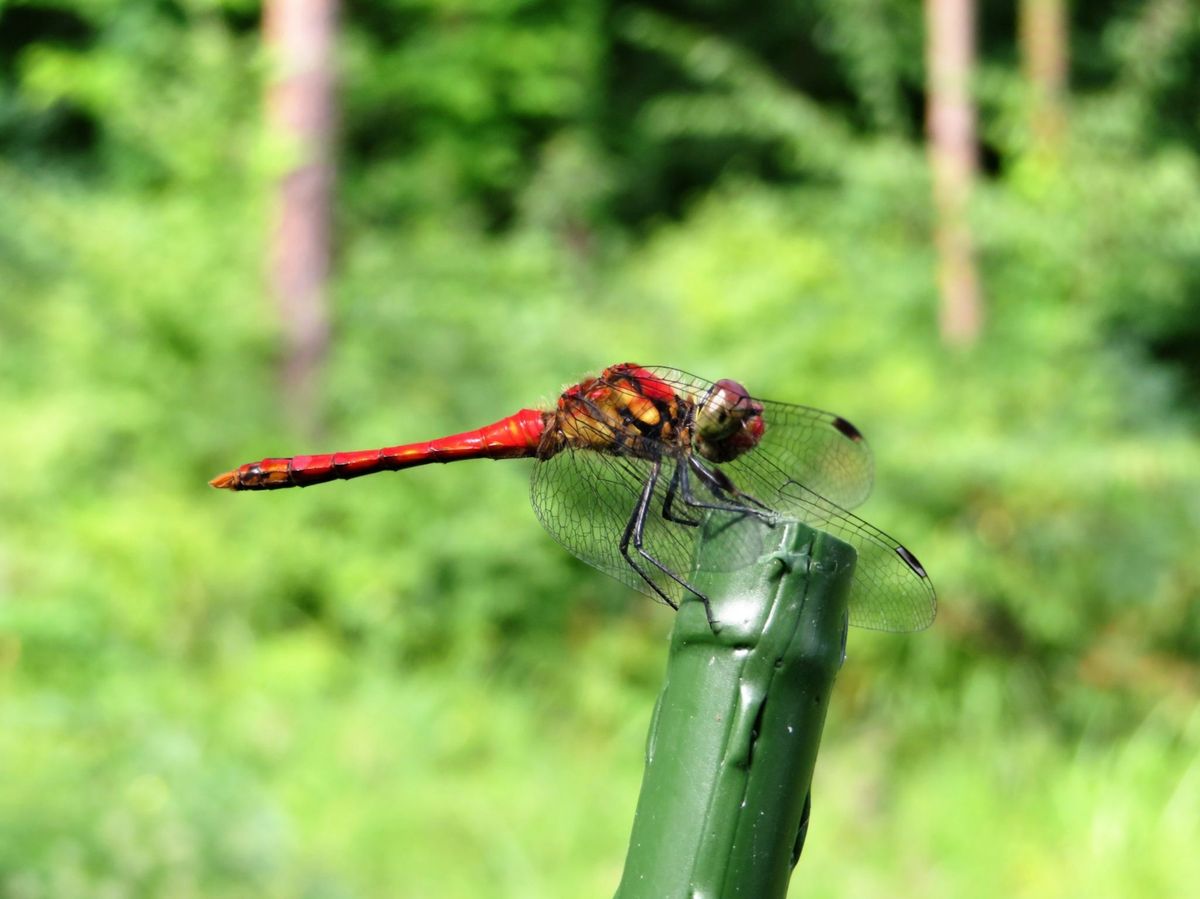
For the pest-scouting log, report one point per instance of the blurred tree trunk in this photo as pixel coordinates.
(300, 110)
(1044, 59)
(950, 127)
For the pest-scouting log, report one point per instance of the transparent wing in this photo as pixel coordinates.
(810, 465)
(821, 450)
(585, 499)
(806, 462)
(890, 590)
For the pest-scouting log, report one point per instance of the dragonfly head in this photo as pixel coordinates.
(728, 422)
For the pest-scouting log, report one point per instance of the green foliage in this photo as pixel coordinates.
(401, 685)
(446, 99)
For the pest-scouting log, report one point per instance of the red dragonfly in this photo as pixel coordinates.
(630, 462)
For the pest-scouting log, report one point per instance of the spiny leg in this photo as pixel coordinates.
(668, 511)
(635, 532)
(718, 482)
(639, 513)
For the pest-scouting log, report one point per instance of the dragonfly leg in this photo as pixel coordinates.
(634, 533)
(668, 511)
(718, 482)
(636, 525)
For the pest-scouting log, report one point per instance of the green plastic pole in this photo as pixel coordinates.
(734, 738)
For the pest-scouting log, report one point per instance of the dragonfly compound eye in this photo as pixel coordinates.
(728, 422)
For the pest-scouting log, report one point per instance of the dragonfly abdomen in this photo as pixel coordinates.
(513, 437)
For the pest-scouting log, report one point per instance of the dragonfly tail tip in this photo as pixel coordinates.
(225, 481)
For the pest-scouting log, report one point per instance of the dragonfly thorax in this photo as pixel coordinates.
(624, 411)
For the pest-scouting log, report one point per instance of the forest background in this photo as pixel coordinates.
(401, 686)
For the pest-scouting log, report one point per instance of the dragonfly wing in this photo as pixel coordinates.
(812, 465)
(890, 590)
(808, 465)
(585, 498)
(821, 450)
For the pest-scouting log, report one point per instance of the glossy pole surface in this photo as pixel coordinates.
(734, 738)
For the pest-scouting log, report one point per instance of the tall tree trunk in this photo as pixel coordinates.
(950, 126)
(1044, 59)
(300, 108)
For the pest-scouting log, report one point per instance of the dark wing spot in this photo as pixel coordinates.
(911, 561)
(846, 428)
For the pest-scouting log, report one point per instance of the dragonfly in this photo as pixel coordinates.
(630, 463)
